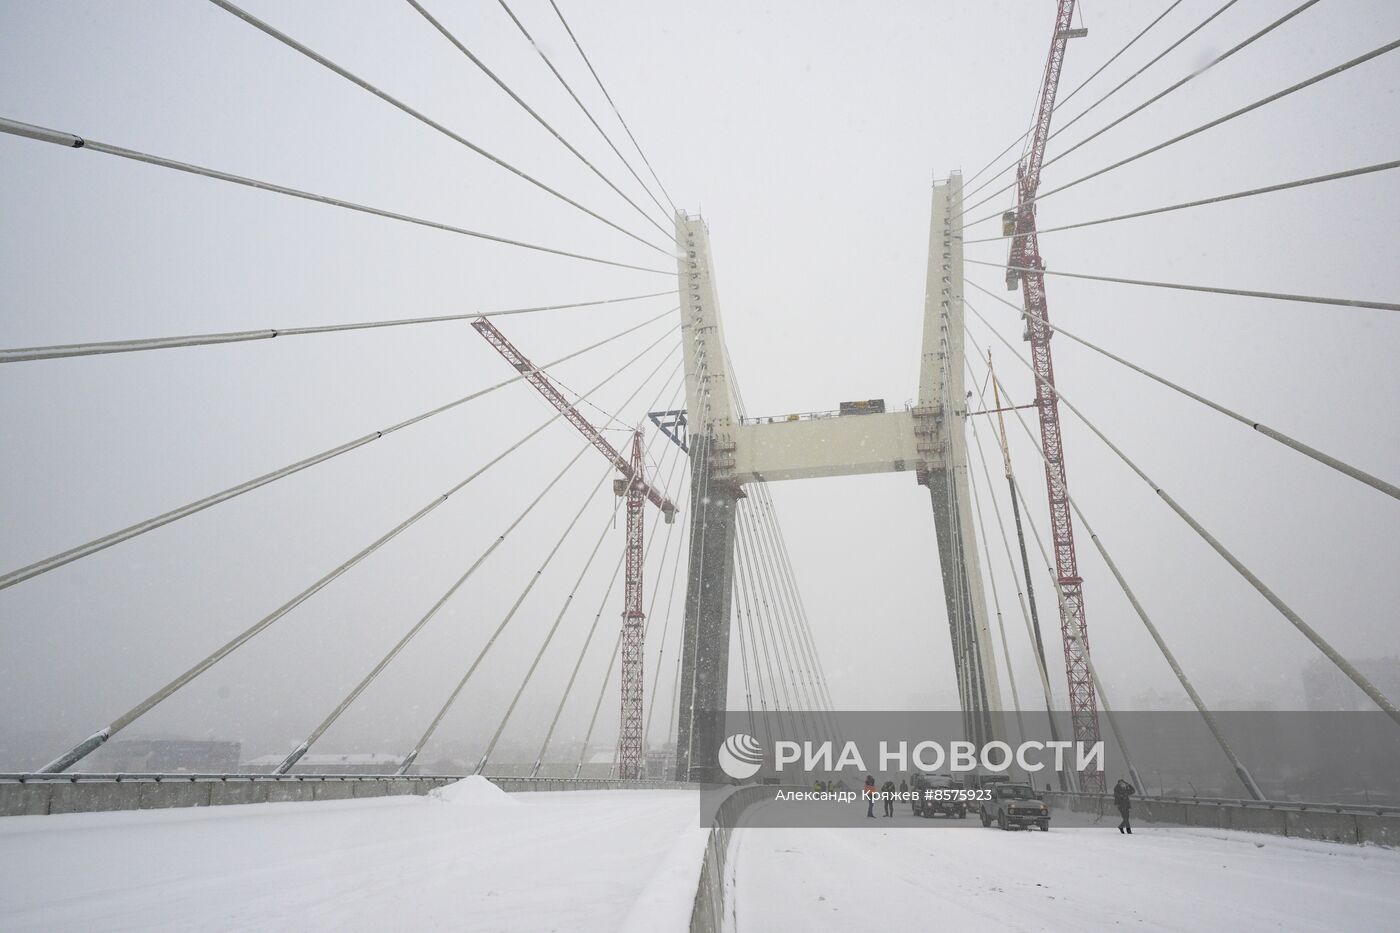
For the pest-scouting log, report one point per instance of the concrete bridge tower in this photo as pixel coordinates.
(728, 452)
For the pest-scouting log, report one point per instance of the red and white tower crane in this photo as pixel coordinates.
(1024, 265)
(634, 486)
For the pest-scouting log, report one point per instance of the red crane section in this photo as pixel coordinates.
(638, 491)
(630, 737)
(555, 397)
(1025, 254)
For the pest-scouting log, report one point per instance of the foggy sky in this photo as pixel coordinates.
(808, 135)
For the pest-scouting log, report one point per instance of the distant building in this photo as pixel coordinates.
(164, 756)
(1326, 688)
(659, 764)
(364, 763)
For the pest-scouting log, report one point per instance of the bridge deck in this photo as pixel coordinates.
(975, 879)
(584, 860)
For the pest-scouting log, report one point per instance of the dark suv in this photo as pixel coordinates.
(937, 795)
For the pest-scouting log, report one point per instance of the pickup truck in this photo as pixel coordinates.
(938, 795)
(1015, 806)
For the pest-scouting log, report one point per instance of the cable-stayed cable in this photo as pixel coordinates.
(783, 623)
(94, 741)
(515, 607)
(768, 533)
(1340, 466)
(775, 614)
(767, 521)
(1032, 636)
(1211, 124)
(131, 531)
(69, 140)
(559, 618)
(447, 34)
(1113, 725)
(782, 692)
(744, 659)
(586, 112)
(320, 59)
(607, 675)
(1201, 202)
(295, 755)
(1284, 609)
(775, 528)
(996, 603)
(1212, 289)
(63, 351)
(1191, 75)
(676, 563)
(1122, 84)
(617, 113)
(1209, 717)
(588, 640)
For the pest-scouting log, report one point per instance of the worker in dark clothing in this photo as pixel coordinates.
(888, 790)
(869, 793)
(1123, 800)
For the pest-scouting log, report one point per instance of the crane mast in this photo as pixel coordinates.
(637, 491)
(633, 619)
(1025, 267)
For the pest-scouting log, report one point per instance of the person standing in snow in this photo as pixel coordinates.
(869, 793)
(1123, 800)
(888, 790)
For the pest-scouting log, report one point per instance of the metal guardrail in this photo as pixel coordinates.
(28, 777)
(1366, 809)
(26, 794)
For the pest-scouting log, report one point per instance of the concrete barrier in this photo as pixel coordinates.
(36, 795)
(289, 792)
(370, 789)
(1382, 830)
(161, 796)
(223, 793)
(91, 798)
(332, 790)
(25, 800)
(1329, 827)
(712, 891)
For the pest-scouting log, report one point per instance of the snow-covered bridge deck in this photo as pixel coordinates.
(582, 860)
(897, 877)
(620, 860)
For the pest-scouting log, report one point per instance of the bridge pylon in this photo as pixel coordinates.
(728, 451)
(714, 496)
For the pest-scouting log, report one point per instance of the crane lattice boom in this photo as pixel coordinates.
(1025, 253)
(555, 397)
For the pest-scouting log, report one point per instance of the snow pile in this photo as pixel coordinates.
(474, 791)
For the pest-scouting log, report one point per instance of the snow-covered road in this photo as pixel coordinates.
(628, 860)
(899, 877)
(581, 860)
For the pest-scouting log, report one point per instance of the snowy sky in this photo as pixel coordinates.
(807, 134)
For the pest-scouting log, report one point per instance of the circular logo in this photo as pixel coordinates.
(741, 756)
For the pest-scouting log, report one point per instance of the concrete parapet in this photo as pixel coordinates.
(222, 793)
(165, 794)
(25, 799)
(34, 796)
(91, 798)
(288, 791)
(332, 790)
